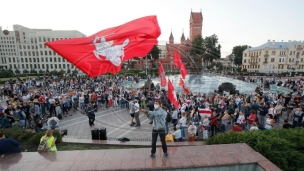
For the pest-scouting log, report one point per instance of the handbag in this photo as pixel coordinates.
(169, 138)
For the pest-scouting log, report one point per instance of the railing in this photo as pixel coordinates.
(299, 48)
(265, 62)
(266, 55)
(253, 63)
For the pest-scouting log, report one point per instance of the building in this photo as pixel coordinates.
(24, 49)
(185, 45)
(226, 62)
(275, 57)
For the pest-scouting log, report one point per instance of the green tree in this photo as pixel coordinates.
(206, 48)
(25, 71)
(212, 49)
(47, 69)
(17, 71)
(154, 55)
(68, 71)
(41, 72)
(238, 54)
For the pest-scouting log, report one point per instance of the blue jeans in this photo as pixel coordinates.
(54, 127)
(167, 128)
(182, 128)
(223, 128)
(296, 124)
(262, 120)
(43, 109)
(22, 123)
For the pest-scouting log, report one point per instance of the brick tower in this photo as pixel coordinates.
(196, 24)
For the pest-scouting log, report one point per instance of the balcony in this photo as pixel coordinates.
(266, 55)
(265, 62)
(253, 63)
(299, 48)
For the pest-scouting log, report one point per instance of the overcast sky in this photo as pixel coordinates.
(236, 22)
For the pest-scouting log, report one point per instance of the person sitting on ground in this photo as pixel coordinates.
(52, 122)
(50, 139)
(39, 126)
(287, 125)
(5, 122)
(254, 126)
(237, 127)
(8, 145)
(16, 124)
(178, 134)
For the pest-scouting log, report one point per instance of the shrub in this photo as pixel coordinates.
(25, 71)
(36, 138)
(284, 148)
(17, 134)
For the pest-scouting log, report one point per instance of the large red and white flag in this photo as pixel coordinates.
(161, 73)
(172, 94)
(182, 84)
(178, 63)
(205, 112)
(105, 51)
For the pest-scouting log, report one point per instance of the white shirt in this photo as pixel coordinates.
(191, 130)
(240, 119)
(177, 134)
(52, 118)
(51, 101)
(136, 107)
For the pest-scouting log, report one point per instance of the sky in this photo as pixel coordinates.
(235, 22)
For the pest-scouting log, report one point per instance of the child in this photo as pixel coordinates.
(177, 134)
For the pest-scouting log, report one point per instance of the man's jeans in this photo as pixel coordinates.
(162, 136)
(167, 127)
(262, 120)
(22, 123)
(43, 109)
(54, 127)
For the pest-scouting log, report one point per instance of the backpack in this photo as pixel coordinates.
(43, 146)
(53, 122)
(187, 108)
(169, 117)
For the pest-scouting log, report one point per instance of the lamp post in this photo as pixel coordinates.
(147, 63)
(232, 62)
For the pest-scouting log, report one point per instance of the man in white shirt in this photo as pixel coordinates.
(136, 114)
(178, 134)
(53, 122)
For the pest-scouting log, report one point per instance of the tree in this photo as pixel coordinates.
(212, 50)
(41, 72)
(154, 55)
(17, 71)
(238, 54)
(25, 71)
(206, 48)
(47, 69)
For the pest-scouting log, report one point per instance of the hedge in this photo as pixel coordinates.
(284, 148)
(28, 137)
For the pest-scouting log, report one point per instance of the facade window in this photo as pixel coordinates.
(63, 66)
(22, 60)
(244, 60)
(41, 53)
(25, 54)
(55, 66)
(290, 53)
(301, 59)
(42, 65)
(33, 53)
(289, 59)
(50, 53)
(42, 60)
(273, 53)
(59, 65)
(47, 65)
(44, 40)
(26, 60)
(45, 52)
(21, 54)
(34, 60)
(40, 46)
(38, 60)
(27, 66)
(30, 59)
(59, 60)
(55, 60)
(46, 59)
(50, 59)
(266, 52)
(22, 66)
(272, 60)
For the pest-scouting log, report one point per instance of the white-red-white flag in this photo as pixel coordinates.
(161, 73)
(172, 94)
(182, 84)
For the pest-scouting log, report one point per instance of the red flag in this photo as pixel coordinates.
(161, 73)
(105, 51)
(177, 62)
(172, 94)
(182, 84)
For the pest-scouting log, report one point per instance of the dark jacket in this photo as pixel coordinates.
(263, 110)
(9, 145)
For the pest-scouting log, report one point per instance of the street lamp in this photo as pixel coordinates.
(232, 62)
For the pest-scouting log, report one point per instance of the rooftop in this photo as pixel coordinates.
(275, 45)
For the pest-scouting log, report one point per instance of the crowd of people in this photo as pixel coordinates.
(32, 102)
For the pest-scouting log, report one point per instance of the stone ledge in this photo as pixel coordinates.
(138, 159)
